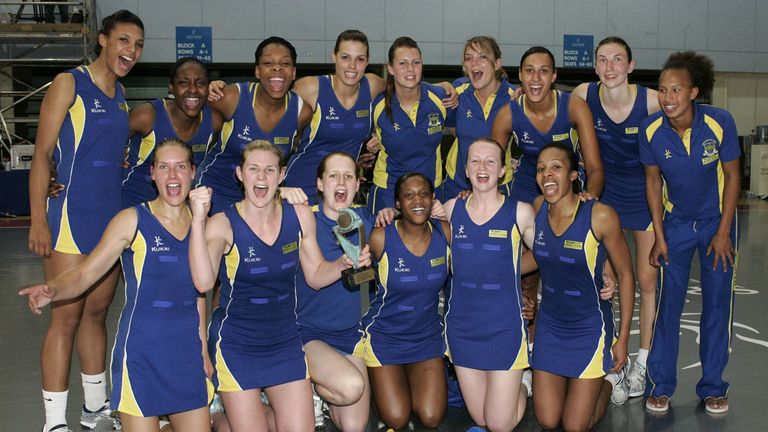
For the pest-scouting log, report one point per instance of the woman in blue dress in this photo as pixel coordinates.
(150, 375)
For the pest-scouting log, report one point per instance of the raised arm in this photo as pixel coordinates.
(227, 101)
(208, 238)
(581, 117)
(78, 279)
(307, 88)
(53, 110)
(318, 272)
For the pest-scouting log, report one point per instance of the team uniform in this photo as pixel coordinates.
(403, 324)
(692, 171)
(531, 141)
(253, 338)
(88, 159)
(157, 362)
(472, 121)
(624, 174)
(409, 142)
(333, 128)
(137, 182)
(484, 326)
(331, 314)
(218, 168)
(573, 323)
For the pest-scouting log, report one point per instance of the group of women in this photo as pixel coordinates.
(286, 325)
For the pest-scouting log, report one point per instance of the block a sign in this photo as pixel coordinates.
(194, 42)
(578, 51)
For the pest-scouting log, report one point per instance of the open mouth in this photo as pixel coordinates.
(549, 188)
(418, 210)
(260, 191)
(191, 103)
(350, 75)
(277, 83)
(340, 196)
(536, 89)
(126, 62)
(173, 189)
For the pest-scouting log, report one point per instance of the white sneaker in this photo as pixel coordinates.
(636, 379)
(528, 381)
(216, 405)
(618, 380)
(319, 411)
(58, 428)
(89, 419)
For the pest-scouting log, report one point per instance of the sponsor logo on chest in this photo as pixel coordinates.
(159, 245)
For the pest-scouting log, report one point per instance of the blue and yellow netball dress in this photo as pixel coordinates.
(89, 159)
(694, 182)
(403, 324)
(137, 182)
(484, 327)
(409, 142)
(253, 338)
(531, 141)
(624, 187)
(332, 313)
(218, 168)
(574, 327)
(157, 362)
(472, 121)
(333, 128)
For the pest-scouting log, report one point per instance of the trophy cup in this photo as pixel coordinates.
(348, 222)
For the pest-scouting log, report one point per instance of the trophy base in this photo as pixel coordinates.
(354, 278)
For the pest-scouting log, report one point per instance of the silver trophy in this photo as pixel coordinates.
(348, 222)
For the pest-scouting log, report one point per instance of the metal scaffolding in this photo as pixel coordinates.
(31, 38)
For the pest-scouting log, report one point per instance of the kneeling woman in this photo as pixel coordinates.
(403, 332)
(255, 247)
(157, 361)
(575, 346)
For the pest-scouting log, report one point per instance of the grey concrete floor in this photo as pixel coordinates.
(21, 334)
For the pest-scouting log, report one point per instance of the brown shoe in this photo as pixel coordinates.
(716, 404)
(659, 404)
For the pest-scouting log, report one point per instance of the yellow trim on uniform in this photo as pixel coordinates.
(521, 359)
(687, 141)
(590, 252)
(146, 147)
(128, 403)
(314, 125)
(232, 261)
(65, 242)
(77, 117)
(413, 112)
(380, 175)
(715, 127)
(139, 248)
(720, 184)
(462, 88)
(651, 129)
(227, 381)
(438, 103)
(226, 132)
(595, 367)
(452, 159)
(488, 104)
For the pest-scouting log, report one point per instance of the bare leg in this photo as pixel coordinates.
(292, 404)
(139, 424)
(548, 398)
(354, 418)
(429, 392)
(336, 379)
(473, 383)
(391, 396)
(244, 410)
(581, 403)
(647, 277)
(197, 420)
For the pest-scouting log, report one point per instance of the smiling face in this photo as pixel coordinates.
(173, 171)
(351, 61)
(414, 199)
(613, 65)
(484, 165)
(276, 70)
(261, 174)
(537, 74)
(406, 67)
(480, 66)
(122, 47)
(190, 88)
(554, 174)
(676, 95)
(339, 182)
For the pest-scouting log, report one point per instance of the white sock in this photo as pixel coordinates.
(94, 390)
(642, 356)
(55, 404)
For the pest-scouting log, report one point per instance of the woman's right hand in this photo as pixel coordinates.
(216, 90)
(373, 145)
(39, 296)
(659, 249)
(200, 202)
(40, 239)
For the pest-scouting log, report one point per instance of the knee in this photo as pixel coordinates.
(547, 422)
(395, 419)
(353, 424)
(430, 418)
(65, 324)
(348, 391)
(648, 281)
(501, 425)
(575, 425)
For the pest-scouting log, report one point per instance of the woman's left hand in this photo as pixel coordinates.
(724, 252)
(620, 356)
(294, 195)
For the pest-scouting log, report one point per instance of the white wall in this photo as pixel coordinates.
(732, 32)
